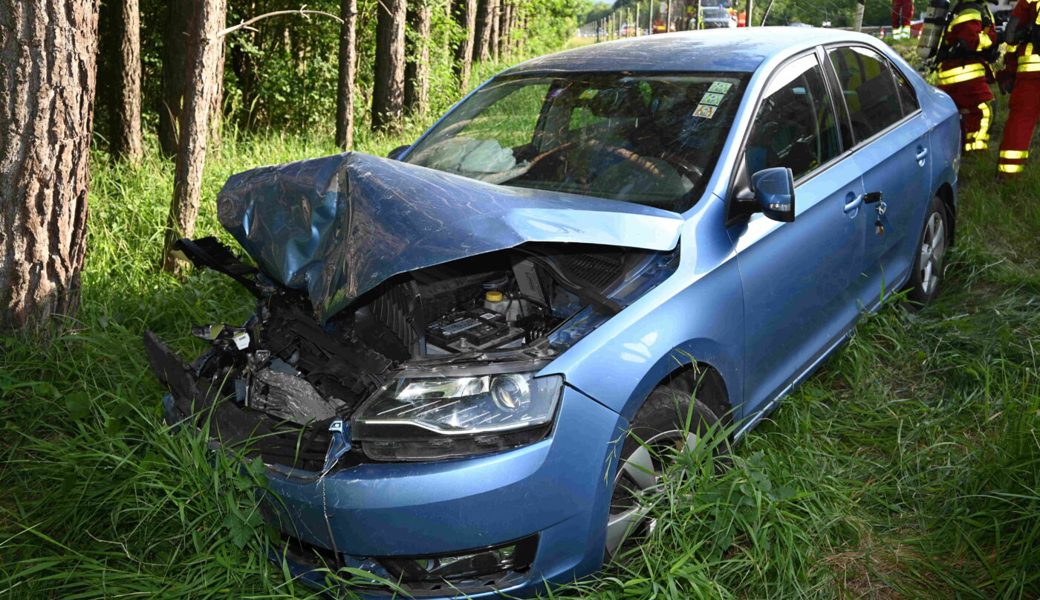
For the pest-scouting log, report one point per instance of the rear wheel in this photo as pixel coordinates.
(658, 430)
(927, 275)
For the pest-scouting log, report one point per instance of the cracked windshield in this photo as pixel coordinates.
(651, 140)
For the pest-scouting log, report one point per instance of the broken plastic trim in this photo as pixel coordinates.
(203, 407)
(210, 252)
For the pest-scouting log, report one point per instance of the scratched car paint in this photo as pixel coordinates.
(449, 347)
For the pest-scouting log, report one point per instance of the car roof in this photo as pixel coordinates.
(737, 50)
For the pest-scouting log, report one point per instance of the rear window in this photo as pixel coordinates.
(868, 86)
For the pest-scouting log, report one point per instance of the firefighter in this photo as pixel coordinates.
(968, 48)
(902, 12)
(1020, 77)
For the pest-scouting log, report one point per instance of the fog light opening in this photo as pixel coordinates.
(479, 564)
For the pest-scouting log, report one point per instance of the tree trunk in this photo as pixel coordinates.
(48, 50)
(504, 32)
(201, 85)
(347, 74)
(465, 13)
(417, 69)
(388, 85)
(216, 109)
(514, 33)
(496, 30)
(126, 114)
(485, 16)
(174, 68)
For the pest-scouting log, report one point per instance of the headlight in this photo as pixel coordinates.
(421, 418)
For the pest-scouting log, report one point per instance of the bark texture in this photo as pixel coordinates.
(126, 113)
(485, 16)
(504, 29)
(388, 86)
(174, 69)
(48, 50)
(417, 69)
(496, 29)
(465, 14)
(216, 109)
(347, 74)
(195, 118)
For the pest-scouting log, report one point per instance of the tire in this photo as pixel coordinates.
(927, 274)
(658, 425)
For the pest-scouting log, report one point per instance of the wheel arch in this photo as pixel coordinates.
(707, 382)
(688, 373)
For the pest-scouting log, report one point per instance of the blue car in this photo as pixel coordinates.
(464, 357)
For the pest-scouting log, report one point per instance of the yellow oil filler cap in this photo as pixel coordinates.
(494, 296)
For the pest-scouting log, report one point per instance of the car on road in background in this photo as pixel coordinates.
(467, 360)
(716, 17)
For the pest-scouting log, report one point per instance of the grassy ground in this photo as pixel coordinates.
(908, 467)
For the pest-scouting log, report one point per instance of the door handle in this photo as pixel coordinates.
(922, 153)
(852, 203)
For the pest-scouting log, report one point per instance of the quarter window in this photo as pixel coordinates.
(795, 126)
(907, 96)
(868, 84)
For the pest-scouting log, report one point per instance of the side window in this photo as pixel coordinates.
(795, 126)
(907, 95)
(868, 84)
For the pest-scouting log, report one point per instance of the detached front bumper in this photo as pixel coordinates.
(553, 493)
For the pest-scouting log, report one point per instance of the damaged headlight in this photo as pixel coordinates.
(441, 417)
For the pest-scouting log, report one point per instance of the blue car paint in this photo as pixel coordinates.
(339, 226)
(696, 323)
(438, 508)
(749, 299)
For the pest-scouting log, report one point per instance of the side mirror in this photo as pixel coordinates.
(397, 152)
(774, 193)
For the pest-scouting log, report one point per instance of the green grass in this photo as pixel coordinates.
(909, 466)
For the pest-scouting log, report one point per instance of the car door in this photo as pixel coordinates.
(891, 150)
(797, 277)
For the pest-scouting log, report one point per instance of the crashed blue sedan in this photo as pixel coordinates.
(464, 358)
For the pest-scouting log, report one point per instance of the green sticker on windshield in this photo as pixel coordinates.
(712, 99)
(720, 87)
(588, 94)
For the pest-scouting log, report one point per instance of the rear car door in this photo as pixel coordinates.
(890, 135)
(797, 277)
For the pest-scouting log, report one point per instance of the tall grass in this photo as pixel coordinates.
(909, 466)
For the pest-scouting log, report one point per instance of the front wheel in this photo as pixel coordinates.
(659, 429)
(927, 274)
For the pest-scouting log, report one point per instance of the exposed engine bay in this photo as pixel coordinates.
(284, 376)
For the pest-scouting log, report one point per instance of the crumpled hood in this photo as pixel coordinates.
(338, 226)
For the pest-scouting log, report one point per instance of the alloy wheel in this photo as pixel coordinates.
(638, 476)
(933, 247)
